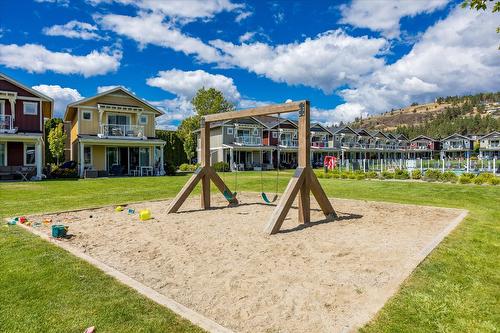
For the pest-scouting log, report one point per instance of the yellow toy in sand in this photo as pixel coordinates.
(119, 209)
(144, 214)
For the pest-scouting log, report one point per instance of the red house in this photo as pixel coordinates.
(22, 114)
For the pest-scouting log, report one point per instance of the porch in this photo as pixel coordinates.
(115, 157)
(21, 156)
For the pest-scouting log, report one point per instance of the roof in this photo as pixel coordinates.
(423, 137)
(401, 136)
(456, 134)
(335, 130)
(489, 134)
(362, 131)
(31, 90)
(104, 93)
(377, 132)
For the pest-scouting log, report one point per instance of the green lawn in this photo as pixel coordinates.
(44, 289)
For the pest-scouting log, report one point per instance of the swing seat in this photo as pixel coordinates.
(229, 196)
(266, 199)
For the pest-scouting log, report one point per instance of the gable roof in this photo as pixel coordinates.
(490, 134)
(456, 134)
(401, 136)
(107, 92)
(338, 130)
(423, 137)
(22, 86)
(379, 133)
(318, 125)
(362, 131)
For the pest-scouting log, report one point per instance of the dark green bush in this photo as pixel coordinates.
(387, 175)
(432, 175)
(483, 178)
(221, 166)
(401, 174)
(371, 175)
(169, 168)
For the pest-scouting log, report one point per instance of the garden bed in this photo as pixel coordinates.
(327, 276)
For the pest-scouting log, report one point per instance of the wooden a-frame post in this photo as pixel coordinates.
(302, 183)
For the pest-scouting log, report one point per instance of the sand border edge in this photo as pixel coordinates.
(179, 309)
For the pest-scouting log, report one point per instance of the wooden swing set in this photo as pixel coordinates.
(302, 182)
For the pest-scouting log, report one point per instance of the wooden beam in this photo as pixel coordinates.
(220, 184)
(186, 190)
(320, 196)
(260, 111)
(304, 160)
(283, 207)
(205, 162)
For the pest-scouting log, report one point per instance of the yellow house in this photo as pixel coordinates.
(113, 133)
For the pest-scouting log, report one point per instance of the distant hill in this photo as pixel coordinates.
(473, 114)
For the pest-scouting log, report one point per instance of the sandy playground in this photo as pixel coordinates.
(329, 276)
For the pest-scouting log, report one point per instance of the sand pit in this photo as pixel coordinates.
(324, 277)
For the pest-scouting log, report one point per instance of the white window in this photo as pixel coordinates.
(29, 154)
(230, 131)
(30, 108)
(255, 131)
(275, 135)
(87, 155)
(3, 154)
(2, 108)
(143, 120)
(87, 115)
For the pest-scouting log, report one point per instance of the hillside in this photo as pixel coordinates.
(465, 114)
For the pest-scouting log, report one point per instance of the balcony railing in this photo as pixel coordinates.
(319, 144)
(248, 140)
(129, 131)
(7, 124)
(289, 143)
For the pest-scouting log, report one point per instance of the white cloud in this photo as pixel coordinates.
(62, 96)
(458, 55)
(175, 110)
(73, 29)
(186, 83)
(247, 36)
(152, 29)
(385, 15)
(327, 61)
(36, 58)
(243, 15)
(64, 3)
(185, 11)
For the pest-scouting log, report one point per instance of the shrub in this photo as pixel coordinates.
(169, 168)
(448, 176)
(359, 175)
(401, 174)
(387, 175)
(432, 175)
(221, 166)
(188, 167)
(466, 178)
(61, 172)
(416, 174)
(494, 181)
(371, 175)
(483, 178)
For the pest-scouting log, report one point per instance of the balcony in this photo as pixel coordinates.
(122, 131)
(319, 144)
(7, 124)
(248, 140)
(289, 143)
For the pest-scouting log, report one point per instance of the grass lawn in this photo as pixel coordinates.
(44, 289)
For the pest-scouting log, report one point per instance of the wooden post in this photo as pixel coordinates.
(305, 162)
(205, 163)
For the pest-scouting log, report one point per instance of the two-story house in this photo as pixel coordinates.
(113, 133)
(423, 147)
(456, 146)
(489, 145)
(22, 114)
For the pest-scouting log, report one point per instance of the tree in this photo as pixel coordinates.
(57, 139)
(205, 102)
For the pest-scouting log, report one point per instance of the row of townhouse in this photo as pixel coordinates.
(263, 142)
(109, 133)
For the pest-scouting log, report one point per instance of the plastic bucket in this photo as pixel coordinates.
(145, 214)
(59, 231)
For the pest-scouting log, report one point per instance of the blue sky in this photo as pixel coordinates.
(351, 59)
